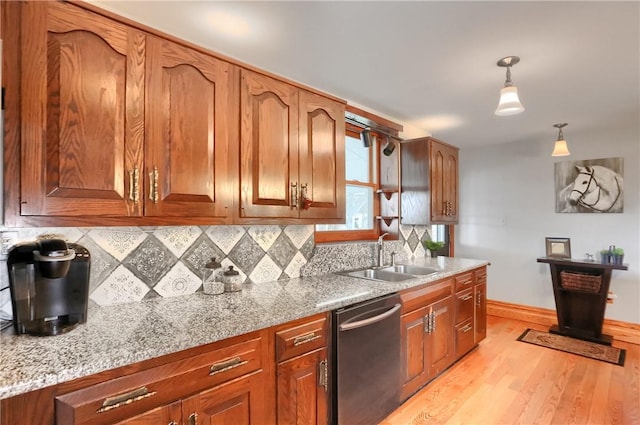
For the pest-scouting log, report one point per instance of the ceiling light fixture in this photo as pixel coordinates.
(560, 148)
(509, 103)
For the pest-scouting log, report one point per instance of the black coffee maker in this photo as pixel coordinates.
(49, 281)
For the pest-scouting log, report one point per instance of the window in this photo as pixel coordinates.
(361, 185)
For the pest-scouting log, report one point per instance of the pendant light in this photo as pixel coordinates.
(509, 103)
(560, 148)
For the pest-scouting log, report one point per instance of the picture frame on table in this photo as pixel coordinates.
(558, 247)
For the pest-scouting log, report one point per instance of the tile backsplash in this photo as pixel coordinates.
(131, 264)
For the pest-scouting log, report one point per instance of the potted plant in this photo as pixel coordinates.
(605, 256)
(617, 255)
(433, 246)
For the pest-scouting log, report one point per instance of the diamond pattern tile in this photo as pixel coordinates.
(265, 271)
(118, 243)
(307, 248)
(246, 254)
(226, 237)
(413, 241)
(405, 230)
(293, 268)
(265, 236)
(150, 261)
(179, 281)
(102, 264)
(178, 239)
(121, 287)
(200, 253)
(299, 234)
(282, 250)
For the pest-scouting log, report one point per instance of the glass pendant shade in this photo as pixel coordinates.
(560, 148)
(509, 103)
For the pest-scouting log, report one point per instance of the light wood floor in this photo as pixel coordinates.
(505, 381)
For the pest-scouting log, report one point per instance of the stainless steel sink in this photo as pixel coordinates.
(379, 274)
(411, 269)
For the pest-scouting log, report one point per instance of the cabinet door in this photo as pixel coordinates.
(82, 112)
(165, 415)
(190, 115)
(439, 343)
(414, 351)
(321, 156)
(242, 401)
(480, 313)
(302, 386)
(269, 183)
(444, 183)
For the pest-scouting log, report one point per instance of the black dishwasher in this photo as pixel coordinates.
(366, 358)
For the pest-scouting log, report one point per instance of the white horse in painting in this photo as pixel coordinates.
(595, 189)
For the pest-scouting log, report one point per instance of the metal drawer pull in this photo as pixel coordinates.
(324, 374)
(467, 328)
(227, 365)
(303, 339)
(124, 399)
(370, 320)
(467, 297)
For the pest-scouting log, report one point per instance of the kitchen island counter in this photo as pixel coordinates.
(120, 335)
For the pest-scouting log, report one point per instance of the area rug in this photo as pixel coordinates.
(591, 350)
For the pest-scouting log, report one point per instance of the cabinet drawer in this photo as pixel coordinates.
(464, 305)
(120, 398)
(463, 281)
(301, 337)
(464, 337)
(481, 276)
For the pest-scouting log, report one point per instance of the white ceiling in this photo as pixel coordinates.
(432, 65)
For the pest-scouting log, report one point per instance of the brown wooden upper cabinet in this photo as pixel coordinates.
(117, 123)
(291, 153)
(82, 112)
(429, 182)
(189, 116)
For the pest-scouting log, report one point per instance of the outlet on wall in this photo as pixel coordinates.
(7, 240)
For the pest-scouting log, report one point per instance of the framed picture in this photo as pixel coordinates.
(558, 247)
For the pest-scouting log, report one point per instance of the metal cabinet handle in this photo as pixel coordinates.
(323, 374)
(303, 339)
(467, 297)
(153, 185)
(306, 201)
(360, 323)
(466, 328)
(134, 187)
(173, 423)
(227, 365)
(129, 397)
(294, 195)
(193, 419)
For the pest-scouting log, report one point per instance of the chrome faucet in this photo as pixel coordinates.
(380, 247)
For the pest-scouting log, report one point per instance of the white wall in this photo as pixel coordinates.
(508, 207)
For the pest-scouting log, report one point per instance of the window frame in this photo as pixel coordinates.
(325, 236)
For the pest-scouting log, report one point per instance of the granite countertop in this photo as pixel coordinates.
(119, 335)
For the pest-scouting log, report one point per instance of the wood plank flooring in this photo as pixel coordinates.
(505, 381)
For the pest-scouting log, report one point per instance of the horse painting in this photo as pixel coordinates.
(596, 188)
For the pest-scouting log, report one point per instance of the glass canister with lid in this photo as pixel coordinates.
(232, 280)
(212, 278)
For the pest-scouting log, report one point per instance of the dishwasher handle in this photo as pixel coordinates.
(370, 320)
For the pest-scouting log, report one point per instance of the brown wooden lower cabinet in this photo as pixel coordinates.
(169, 415)
(426, 334)
(302, 383)
(440, 323)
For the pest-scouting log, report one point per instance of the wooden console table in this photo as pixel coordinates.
(580, 309)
